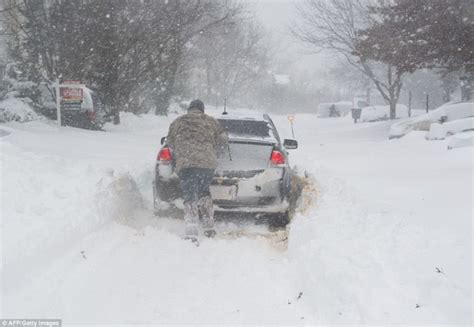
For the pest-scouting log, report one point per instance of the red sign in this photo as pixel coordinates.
(71, 94)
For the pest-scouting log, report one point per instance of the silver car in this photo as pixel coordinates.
(253, 173)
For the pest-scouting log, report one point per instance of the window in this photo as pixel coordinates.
(246, 127)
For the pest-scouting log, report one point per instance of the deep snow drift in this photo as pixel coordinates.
(384, 236)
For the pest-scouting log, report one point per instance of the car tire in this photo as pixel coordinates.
(167, 192)
(171, 212)
(279, 220)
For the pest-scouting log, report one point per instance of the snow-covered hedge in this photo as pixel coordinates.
(16, 109)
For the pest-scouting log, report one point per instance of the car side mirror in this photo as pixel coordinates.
(290, 144)
(163, 140)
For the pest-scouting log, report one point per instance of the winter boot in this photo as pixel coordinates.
(206, 209)
(191, 220)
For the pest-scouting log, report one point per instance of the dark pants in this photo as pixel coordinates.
(195, 183)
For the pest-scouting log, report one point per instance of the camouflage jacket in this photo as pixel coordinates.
(194, 140)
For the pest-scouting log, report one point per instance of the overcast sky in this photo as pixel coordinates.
(277, 16)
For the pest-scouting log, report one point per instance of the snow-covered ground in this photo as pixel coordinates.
(386, 239)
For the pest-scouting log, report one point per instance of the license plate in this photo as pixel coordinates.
(220, 192)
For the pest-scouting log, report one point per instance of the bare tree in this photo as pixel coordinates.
(348, 80)
(230, 60)
(334, 26)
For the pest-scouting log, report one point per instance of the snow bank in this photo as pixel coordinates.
(360, 265)
(397, 256)
(375, 113)
(448, 112)
(16, 109)
(461, 140)
(50, 201)
(63, 184)
(340, 251)
(441, 131)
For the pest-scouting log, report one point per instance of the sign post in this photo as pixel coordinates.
(409, 103)
(68, 94)
(291, 118)
(427, 102)
(58, 102)
(356, 112)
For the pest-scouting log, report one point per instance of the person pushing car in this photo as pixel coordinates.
(195, 139)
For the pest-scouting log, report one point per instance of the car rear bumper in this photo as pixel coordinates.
(276, 207)
(262, 193)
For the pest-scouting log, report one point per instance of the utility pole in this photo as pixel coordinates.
(58, 102)
(427, 102)
(409, 104)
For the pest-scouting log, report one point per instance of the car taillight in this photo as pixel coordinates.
(277, 158)
(164, 155)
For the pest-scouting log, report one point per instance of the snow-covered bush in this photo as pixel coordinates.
(14, 85)
(16, 109)
(28, 89)
(19, 97)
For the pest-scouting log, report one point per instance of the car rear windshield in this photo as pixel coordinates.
(256, 128)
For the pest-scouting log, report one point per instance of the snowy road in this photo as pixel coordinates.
(387, 239)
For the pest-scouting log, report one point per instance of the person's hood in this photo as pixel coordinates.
(195, 111)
